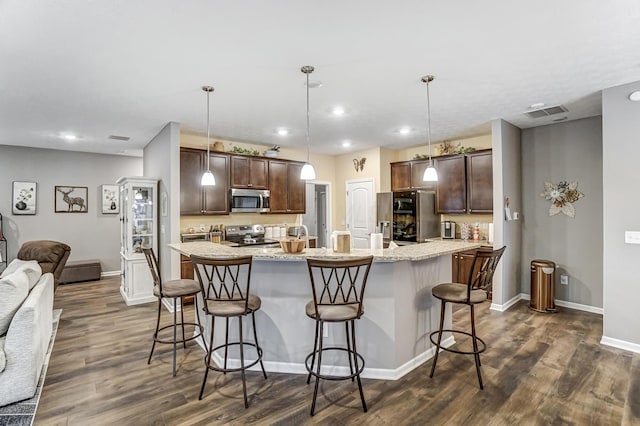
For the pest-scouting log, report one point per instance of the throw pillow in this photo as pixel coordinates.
(13, 291)
(31, 267)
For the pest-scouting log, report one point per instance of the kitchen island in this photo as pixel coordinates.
(399, 310)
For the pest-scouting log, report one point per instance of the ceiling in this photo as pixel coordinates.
(126, 68)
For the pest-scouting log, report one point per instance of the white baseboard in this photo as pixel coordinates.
(620, 344)
(136, 301)
(109, 273)
(367, 373)
(562, 303)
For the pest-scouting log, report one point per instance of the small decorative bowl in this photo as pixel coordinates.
(292, 245)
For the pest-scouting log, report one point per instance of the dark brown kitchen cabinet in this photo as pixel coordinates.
(451, 190)
(465, 183)
(196, 199)
(407, 175)
(287, 189)
(248, 172)
(480, 182)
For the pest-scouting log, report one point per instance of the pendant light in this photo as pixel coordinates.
(430, 173)
(308, 172)
(207, 177)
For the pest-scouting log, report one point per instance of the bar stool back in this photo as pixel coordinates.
(338, 291)
(225, 287)
(473, 292)
(173, 289)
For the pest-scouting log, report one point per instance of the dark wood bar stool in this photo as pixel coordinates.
(473, 292)
(173, 289)
(338, 290)
(225, 285)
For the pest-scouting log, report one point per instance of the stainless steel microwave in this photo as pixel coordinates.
(249, 200)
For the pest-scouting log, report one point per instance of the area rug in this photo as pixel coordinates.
(22, 413)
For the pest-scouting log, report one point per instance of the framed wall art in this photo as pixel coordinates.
(24, 198)
(70, 199)
(110, 199)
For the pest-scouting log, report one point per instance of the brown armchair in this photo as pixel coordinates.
(51, 256)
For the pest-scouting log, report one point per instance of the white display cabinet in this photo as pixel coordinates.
(138, 229)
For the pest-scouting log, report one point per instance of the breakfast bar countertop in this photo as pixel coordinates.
(412, 252)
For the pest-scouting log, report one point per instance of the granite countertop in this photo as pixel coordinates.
(413, 252)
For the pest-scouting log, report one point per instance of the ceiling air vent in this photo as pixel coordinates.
(545, 111)
(119, 138)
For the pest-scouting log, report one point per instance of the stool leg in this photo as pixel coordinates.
(258, 348)
(435, 358)
(226, 343)
(355, 360)
(313, 357)
(244, 383)
(184, 342)
(207, 358)
(155, 335)
(349, 353)
(315, 390)
(175, 334)
(476, 355)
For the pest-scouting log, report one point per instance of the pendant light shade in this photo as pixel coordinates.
(307, 172)
(207, 178)
(430, 173)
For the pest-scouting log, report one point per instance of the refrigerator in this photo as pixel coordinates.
(407, 217)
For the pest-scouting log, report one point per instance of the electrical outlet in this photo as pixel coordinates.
(564, 279)
(325, 330)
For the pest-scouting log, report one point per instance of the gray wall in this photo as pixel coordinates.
(505, 142)
(570, 151)
(91, 235)
(162, 161)
(621, 265)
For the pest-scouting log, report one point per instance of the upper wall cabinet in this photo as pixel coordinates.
(196, 199)
(248, 172)
(407, 175)
(287, 189)
(465, 183)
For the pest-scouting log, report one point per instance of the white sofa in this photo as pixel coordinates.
(27, 338)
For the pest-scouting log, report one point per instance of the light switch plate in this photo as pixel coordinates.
(632, 237)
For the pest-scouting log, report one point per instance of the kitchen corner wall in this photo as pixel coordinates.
(91, 235)
(569, 151)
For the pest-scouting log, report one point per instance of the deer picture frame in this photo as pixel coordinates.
(71, 199)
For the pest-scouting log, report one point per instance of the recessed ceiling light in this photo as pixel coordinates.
(404, 131)
(635, 96)
(537, 105)
(346, 144)
(283, 132)
(69, 137)
(337, 110)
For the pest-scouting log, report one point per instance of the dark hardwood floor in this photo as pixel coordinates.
(538, 369)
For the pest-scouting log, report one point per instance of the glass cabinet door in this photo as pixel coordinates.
(142, 221)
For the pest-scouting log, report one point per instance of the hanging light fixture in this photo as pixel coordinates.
(207, 177)
(430, 173)
(308, 172)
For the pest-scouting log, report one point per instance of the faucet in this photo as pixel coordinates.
(306, 234)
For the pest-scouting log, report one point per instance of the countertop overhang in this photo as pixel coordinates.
(413, 252)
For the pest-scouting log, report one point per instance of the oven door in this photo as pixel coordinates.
(249, 201)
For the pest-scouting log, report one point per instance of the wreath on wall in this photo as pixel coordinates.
(562, 197)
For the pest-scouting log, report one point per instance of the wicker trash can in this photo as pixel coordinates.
(543, 286)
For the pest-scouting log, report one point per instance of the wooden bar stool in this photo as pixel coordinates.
(338, 290)
(473, 292)
(224, 285)
(173, 289)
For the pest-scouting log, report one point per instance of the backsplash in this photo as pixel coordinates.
(483, 219)
(237, 219)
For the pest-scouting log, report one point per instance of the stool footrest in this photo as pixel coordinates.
(325, 377)
(479, 351)
(170, 326)
(214, 367)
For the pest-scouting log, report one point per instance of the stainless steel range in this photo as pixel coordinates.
(248, 235)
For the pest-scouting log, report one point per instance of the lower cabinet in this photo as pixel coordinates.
(461, 266)
(186, 272)
(136, 285)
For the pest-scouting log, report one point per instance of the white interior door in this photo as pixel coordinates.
(360, 211)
